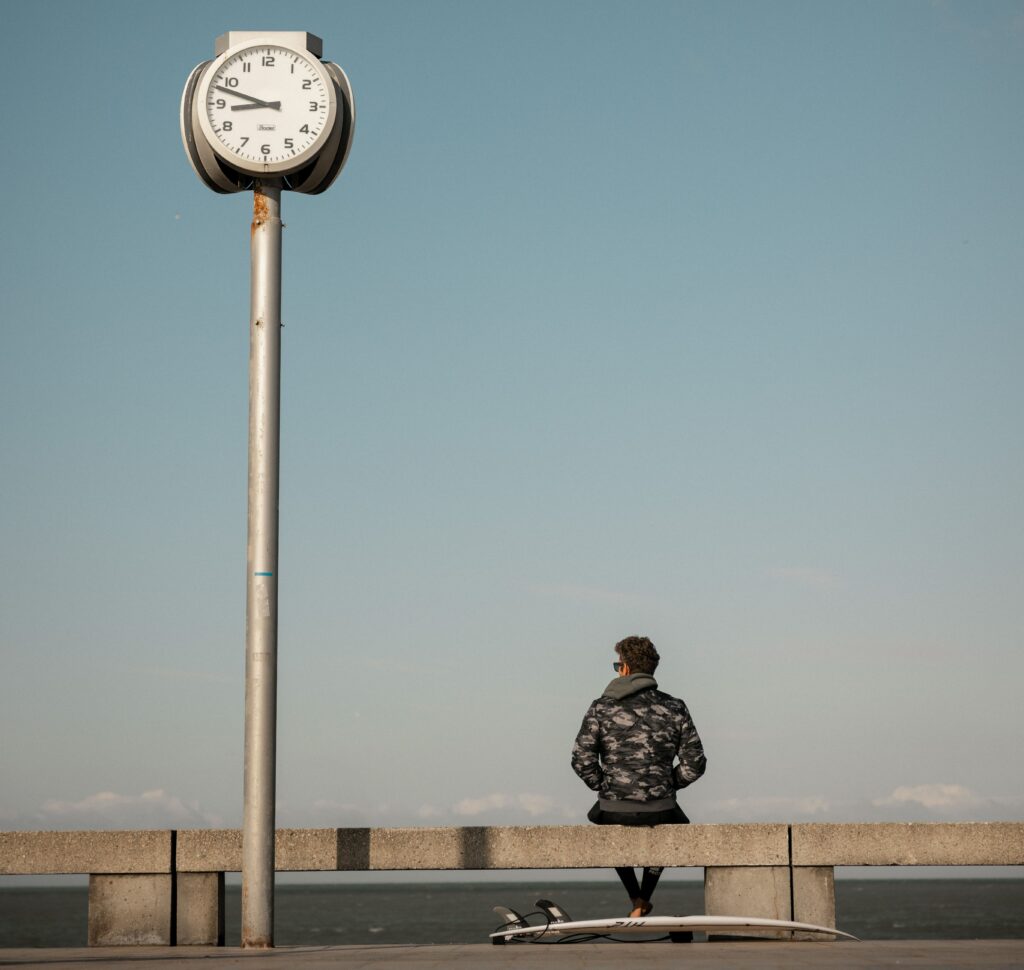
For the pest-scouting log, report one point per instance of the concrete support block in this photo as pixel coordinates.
(131, 910)
(762, 891)
(814, 897)
(200, 909)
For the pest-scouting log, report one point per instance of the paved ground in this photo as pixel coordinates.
(943, 955)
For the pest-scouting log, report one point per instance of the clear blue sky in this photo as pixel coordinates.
(695, 320)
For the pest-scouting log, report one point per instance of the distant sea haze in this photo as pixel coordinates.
(326, 915)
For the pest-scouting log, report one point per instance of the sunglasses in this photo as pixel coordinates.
(617, 666)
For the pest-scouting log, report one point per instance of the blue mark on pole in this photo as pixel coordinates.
(263, 574)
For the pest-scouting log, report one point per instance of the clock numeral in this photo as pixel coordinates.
(289, 142)
(220, 103)
(265, 149)
(225, 126)
(245, 140)
(313, 106)
(268, 60)
(304, 129)
(306, 85)
(246, 68)
(231, 82)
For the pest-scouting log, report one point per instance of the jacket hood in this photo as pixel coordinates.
(622, 687)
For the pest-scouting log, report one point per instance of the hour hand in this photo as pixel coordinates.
(256, 102)
(261, 104)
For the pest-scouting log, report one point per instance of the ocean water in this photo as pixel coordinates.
(320, 915)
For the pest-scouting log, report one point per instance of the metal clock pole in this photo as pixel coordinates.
(267, 114)
(261, 593)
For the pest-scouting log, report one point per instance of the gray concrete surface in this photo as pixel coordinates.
(806, 894)
(908, 844)
(131, 910)
(199, 909)
(521, 847)
(936, 955)
(133, 850)
(494, 847)
(762, 891)
(814, 895)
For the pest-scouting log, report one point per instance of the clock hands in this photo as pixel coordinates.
(256, 102)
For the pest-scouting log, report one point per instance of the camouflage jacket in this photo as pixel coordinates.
(630, 737)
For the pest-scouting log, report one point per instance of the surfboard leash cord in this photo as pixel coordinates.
(548, 922)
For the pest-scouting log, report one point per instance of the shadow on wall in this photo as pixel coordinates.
(474, 849)
(364, 849)
(353, 852)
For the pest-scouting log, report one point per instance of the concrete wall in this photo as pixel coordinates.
(165, 887)
(520, 847)
(498, 847)
(33, 853)
(909, 844)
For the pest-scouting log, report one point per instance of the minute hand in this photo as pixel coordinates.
(256, 102)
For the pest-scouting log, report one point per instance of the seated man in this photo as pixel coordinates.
(625, 751)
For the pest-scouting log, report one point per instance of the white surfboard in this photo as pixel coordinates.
(626, 926)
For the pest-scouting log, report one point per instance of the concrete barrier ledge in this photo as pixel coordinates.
(909, 844)
(110, 852)
(521, 847)
(220, 850)
(494, 847)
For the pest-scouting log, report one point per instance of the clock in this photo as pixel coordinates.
(265, 107)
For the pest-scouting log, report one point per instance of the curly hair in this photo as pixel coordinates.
(639, 653)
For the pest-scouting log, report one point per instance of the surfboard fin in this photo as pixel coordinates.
(510, 917)
(553, 911)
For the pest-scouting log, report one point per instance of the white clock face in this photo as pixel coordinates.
(267, 108)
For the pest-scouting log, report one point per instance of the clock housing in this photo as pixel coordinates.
(266, 105)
